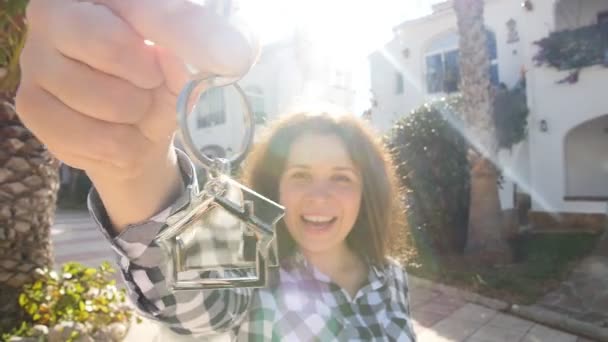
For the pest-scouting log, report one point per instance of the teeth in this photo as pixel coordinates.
(318, 219)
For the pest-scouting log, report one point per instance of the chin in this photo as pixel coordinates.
(318, 248)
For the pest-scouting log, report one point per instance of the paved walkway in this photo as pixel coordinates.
(437, 316)
(584, 295)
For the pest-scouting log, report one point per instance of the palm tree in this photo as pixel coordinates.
(486, 234)
(28, 178)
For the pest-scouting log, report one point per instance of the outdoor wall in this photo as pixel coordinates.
(586, 157)
(562, 106)
(570, 14)
(390, 104)
(262, 76)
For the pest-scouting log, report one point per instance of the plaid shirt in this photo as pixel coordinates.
(304, 306)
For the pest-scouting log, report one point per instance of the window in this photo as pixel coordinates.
(256, 99)
(398, 83)
(434, 73)
(443, 74)
(442, 65)
(210, 110)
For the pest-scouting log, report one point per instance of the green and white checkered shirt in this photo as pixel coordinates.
(304, 306)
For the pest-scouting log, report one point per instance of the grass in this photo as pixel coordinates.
(543, 261)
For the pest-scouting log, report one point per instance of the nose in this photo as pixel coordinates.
(319, 191)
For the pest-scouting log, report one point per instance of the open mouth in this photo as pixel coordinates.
(318, 222)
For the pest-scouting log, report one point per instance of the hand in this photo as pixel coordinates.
(100, 98)
(104, 101)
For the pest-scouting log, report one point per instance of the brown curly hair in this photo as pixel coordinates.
(380, 209)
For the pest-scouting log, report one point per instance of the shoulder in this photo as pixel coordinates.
(396, 272)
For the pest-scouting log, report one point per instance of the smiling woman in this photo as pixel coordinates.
(323, 189)
(318, 157)
(335, 281)
(338, 186)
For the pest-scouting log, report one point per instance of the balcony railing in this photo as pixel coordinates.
(574, 49)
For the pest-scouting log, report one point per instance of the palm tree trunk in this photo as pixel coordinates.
(28, 179)
(486, 239)
(28, 188)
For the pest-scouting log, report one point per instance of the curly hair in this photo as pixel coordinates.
(381, 209)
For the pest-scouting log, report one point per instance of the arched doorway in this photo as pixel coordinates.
(586, 160)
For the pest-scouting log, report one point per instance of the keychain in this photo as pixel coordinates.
(226, 237)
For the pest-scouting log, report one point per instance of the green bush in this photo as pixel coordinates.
(511, 115)
(431, 157)
(78, 295)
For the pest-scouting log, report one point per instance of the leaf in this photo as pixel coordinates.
(22, 300)
(32, 309)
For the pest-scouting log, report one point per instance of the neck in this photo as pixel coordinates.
(335, 262)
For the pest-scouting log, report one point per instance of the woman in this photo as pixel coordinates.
(113, 117)
(336, 282)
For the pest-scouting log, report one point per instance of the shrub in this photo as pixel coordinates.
(511, 115)
(76, 301)
(431, 158)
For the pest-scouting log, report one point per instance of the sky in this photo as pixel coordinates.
(346, 29)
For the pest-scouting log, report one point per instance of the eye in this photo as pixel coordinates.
(299, 175)
(342, 178)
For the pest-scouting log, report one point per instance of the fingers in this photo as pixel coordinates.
(160, 123)
(86, 90)
(196, 33)
(111, 45)
(66, 131)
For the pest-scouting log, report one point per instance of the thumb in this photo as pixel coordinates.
(204, 36)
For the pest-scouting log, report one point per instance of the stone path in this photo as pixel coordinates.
(584, 296)
(437, 317)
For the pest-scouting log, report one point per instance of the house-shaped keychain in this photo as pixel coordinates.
(225, 239)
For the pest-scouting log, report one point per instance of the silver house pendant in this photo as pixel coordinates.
(226, 238)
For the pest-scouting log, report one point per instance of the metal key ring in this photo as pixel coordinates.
(184, 132)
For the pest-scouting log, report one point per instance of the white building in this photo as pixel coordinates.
(563, 164)
(289, 73)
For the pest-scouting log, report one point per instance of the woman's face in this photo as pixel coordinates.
(321, 190)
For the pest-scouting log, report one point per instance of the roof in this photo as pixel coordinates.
(438, 10)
